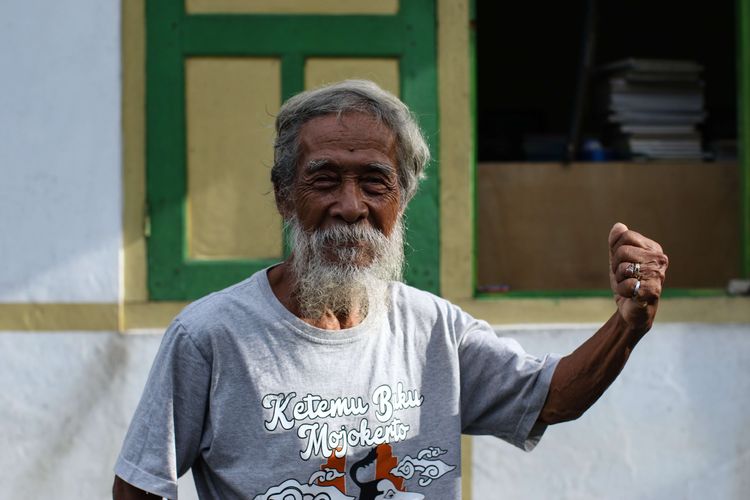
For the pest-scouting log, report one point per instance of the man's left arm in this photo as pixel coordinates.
(637, 270)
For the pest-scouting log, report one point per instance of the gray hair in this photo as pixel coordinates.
(359, 96)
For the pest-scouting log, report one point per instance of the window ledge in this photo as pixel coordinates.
(599, 309)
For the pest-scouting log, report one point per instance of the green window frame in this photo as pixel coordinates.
(172, 35)
(742, 8)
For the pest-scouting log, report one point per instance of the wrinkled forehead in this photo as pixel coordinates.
(345, 124)
(355, 133)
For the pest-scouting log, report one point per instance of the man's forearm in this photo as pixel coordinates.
(122, 490)
(582, 376)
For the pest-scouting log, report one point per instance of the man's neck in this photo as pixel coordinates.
(282, 284)
(330, 321)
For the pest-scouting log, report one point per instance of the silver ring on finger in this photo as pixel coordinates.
(637, 271)
(636, 288)
(630, 269)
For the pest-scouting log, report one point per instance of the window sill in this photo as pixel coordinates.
(717, 309)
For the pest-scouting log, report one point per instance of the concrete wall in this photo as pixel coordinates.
(60, 156)
(673, 426)
(65, 408)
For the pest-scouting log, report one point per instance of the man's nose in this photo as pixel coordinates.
(350, 206)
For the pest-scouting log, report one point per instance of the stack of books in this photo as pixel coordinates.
(653, 108)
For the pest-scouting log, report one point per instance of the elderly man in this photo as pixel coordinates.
(324, 376)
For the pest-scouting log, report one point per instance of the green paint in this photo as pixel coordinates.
(318, 35)
(418, 74)
(165, 146)
(172, 36)
(292, 83)
(292, 74)
(559, 294)
(743, 127)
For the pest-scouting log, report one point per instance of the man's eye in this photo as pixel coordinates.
(375, 184)
(324, 181)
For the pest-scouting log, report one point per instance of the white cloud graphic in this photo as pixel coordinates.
(291, 489)
(425, 465)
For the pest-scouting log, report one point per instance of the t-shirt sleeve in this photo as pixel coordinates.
(164, 437)
(503, 388)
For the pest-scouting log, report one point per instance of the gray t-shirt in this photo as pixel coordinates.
(262, 405)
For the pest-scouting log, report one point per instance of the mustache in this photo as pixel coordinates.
(348, 235)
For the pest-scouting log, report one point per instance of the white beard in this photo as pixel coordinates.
(345, 269)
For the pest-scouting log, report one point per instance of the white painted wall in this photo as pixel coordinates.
(66, 404)
(675, 424)
(60, 151)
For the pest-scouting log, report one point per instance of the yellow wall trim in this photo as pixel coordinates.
(149, 315)
(456, 147)
(466, 467)
(87, 317)
(58, 317)
(598, 310)
(157, 315)
(133, 274)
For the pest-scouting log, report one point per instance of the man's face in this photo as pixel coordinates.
(347, 174)
(345, 215)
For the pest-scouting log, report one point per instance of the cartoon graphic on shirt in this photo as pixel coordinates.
(428, 469)
(376, 488)
(379, 474)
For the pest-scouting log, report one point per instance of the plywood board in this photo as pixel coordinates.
(544, 226)
(231, 105)
(323, 70)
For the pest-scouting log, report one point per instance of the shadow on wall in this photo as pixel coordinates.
(64, 422)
